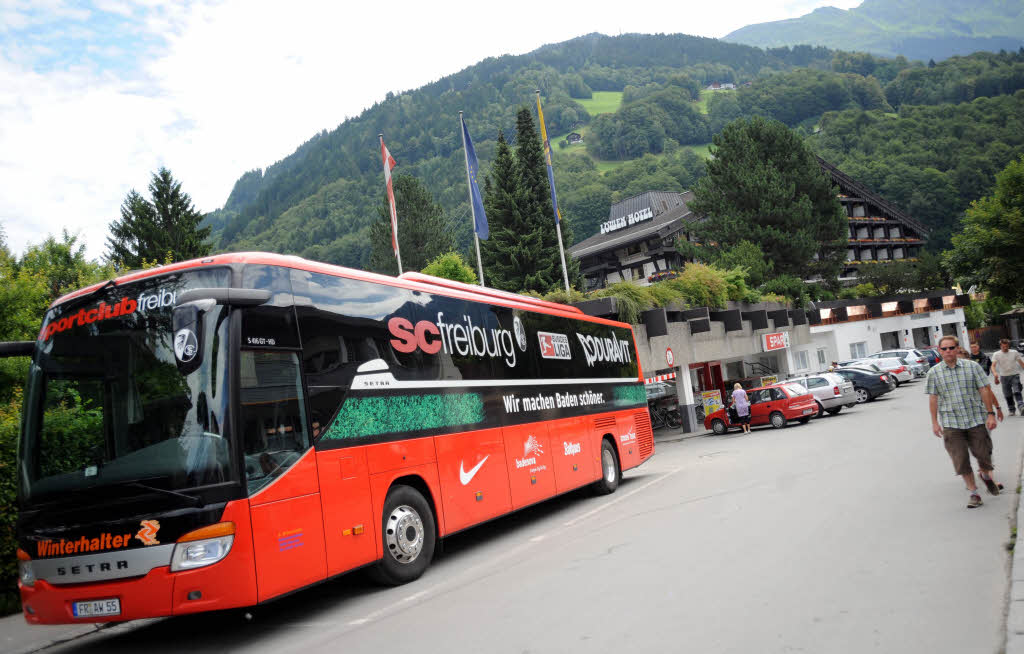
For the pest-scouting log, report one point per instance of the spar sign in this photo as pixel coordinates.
(776, 341)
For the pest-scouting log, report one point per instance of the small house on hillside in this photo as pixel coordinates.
(574, 137)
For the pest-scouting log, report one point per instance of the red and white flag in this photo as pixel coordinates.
(389, 163)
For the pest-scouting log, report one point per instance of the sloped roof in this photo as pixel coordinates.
(658, 201)
(639, 231)
(850, 186)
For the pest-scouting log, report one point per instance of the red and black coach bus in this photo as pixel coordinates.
(249, 424)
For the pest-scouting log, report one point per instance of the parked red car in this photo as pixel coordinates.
(773, 405)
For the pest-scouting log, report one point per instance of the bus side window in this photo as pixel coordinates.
(274, 428)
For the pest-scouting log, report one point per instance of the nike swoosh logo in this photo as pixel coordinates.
(466, 477)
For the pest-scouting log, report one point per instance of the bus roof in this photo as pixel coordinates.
(413, 280)
(490, 292)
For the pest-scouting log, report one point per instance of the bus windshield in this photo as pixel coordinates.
(106, 406)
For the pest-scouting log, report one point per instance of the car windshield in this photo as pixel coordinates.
(106, 405)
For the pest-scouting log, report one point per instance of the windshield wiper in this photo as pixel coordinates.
(192, 499)
(91, 294)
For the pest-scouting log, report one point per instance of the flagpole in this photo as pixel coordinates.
(472, 211)
(554, 206)
(393, 214)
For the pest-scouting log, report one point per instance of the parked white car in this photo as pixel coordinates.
(831, 392)
(898, 368)
(916, 359)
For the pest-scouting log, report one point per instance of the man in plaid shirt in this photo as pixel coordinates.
(961, 400)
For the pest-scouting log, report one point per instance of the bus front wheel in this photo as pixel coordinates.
(611, 473)
(409, 536)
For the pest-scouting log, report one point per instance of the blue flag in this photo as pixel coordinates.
(473, 167)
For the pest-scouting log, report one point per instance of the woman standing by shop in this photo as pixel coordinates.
(742, 404)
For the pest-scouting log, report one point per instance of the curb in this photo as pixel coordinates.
(675, 437)
(1015, 601)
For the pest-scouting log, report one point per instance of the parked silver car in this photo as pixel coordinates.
(831, 392)
(917, 360)
(898, 368)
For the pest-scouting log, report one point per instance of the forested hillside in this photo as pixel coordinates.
(330, 186)
(320, 201)
(916, 29)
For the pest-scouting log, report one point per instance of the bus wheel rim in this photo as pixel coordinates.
(404, 534)
(608, 462)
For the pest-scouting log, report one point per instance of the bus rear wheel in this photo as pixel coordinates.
(611, 473)
(409, 536)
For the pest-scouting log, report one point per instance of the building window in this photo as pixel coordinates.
(822, 356)
(859, 350)
(801, 360)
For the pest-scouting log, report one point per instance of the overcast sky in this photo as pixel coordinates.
(95, 96)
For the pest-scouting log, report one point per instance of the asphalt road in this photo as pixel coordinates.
(849, 534)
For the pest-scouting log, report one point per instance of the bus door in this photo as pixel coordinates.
(280, 464)
(334, 345)
(531, 474)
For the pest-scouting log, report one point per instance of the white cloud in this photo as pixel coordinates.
(239, 85)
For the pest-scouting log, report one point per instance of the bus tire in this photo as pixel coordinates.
(611, 472)
(409, 536)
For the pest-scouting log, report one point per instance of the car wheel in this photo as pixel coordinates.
(610, 471)
(833, 411)
(778, 420)
(805, 420)
(718, 426)
(409, 536)
(820, 413)
(862, 395)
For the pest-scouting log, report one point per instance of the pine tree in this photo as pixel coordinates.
(522, 253)
(164, 227)
(509, 254)
(424, 231)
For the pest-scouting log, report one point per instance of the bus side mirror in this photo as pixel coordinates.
(187, 322)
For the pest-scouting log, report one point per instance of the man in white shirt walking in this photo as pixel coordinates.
(1006, 367)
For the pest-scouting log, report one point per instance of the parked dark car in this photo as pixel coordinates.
(930, 354)
(867, 384)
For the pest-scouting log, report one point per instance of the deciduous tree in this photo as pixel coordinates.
(989, 250)
(765, 187)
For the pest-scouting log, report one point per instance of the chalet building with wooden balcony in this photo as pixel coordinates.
(879, 233)
(637, 242)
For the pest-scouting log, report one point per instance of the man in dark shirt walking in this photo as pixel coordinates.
(980, 357)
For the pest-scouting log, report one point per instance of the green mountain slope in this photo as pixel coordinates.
(916, 29)
(319, 201)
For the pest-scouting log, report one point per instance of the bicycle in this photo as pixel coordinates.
(664, 417)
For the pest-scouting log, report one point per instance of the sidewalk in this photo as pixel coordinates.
(1015, 609)
(667, 435)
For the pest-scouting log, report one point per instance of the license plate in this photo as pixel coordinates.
(95, 608)
(806, 411)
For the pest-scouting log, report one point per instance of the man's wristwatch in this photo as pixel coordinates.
(991, 413)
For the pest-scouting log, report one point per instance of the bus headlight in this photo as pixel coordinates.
(25, 572)
(203, 547)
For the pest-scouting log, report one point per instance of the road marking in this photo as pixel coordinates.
(620, 498)
(473, 573)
